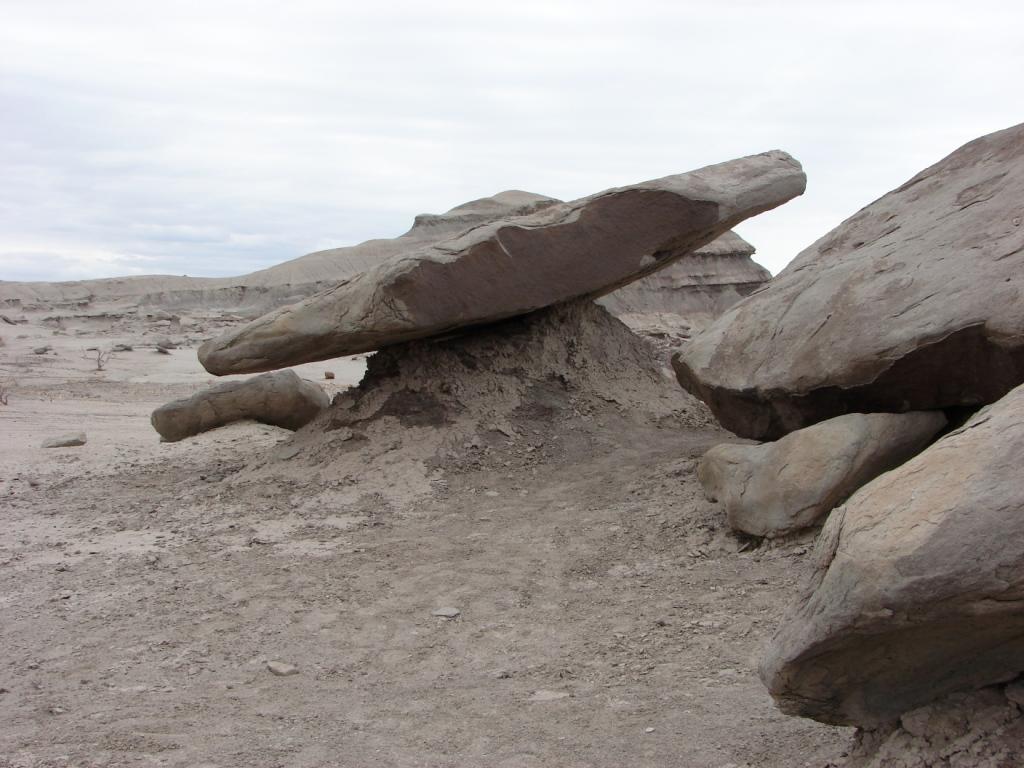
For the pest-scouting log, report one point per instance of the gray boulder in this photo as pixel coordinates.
(281, 399)
(919, 584)
(777, 488)
(513, 266)
(914, 303)
(73, 440)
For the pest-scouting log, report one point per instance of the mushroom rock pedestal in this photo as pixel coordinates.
(513, 266)
(567, 377)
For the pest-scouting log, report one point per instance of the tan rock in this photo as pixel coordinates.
(514, 266)
(281, 399)
(914, 303)
(777, 488)
(919, 586)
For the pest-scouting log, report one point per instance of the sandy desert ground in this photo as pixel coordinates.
(606, 615)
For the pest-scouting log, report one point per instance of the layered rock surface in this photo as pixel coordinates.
(280, 398)
(919, 586)
(914, 303)
(280, 284)
(511, 267)
(694, 290)
(777, 488)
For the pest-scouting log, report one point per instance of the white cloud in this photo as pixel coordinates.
(221, 137)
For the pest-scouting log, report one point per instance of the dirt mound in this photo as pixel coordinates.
(497, 395)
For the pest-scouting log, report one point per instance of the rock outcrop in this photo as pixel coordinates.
(777, 488)
(914, 303)
(281, 399)
(514, 266)
(919, 586)
(693, 291)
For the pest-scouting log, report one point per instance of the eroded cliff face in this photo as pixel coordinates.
(686, 296)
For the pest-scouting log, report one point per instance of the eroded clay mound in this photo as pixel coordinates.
(567, 373)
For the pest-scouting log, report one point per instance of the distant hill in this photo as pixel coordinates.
(704, 283)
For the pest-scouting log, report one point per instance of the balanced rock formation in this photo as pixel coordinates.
(693, 291)
(566, 379)
(914, 303)
(777, 488)
(281, 399)
(919, 586)
(513, 266)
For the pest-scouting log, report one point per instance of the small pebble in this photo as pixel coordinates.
(446, 613)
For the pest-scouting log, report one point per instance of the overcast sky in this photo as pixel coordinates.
(215, 138)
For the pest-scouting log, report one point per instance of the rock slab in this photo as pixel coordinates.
(777, 488)
(281, 399)
(281, 284)
(918, 590)
(914, 303)
(513, 266)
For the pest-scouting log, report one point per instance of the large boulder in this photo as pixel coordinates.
(281, 399)
(777, 488)
(914, 303)
(919, 585)
(513, 266)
